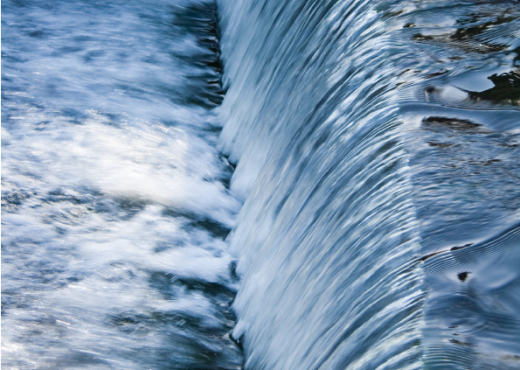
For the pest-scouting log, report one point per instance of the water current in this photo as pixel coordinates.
(378, 148)
(351, 202)
(114, 197)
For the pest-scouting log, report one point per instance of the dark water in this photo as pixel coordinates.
(377, 151)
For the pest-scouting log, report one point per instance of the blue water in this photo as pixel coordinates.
(378, 145)
(114, 198)
(261, 184)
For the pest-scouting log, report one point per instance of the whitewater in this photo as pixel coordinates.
(292, 184)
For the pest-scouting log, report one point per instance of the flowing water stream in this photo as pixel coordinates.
(351, 202)
(378, 151)
(114, 197)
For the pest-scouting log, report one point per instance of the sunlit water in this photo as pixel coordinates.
(114, 199)
(377, 151)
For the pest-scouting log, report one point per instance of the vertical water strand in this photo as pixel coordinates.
(331, 274)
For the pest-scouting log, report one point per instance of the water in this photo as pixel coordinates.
(376, 146)
(377, 149)
(114, 198)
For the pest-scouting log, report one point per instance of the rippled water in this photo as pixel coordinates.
(376, 146)
(114, 198)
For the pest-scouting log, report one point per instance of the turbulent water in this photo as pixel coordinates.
(114, 198)
(377, 151)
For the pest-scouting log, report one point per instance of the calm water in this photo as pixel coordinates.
(377, 151)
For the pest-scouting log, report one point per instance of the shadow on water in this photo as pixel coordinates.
(200, 20)
(506, 89)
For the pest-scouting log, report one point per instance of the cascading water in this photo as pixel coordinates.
(376, 146)
(377, 149)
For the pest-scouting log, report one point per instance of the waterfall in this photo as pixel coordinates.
(376, 146)
(261, 184)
